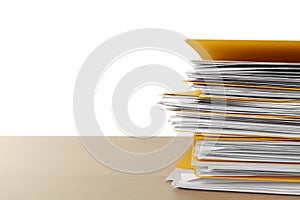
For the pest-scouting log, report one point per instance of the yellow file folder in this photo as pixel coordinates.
(243, 50)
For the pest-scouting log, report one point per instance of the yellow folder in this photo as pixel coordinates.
(243, 50)
(247, 50)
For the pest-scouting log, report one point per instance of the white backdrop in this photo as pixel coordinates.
(43, 45)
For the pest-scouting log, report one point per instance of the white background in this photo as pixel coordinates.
(43, 45)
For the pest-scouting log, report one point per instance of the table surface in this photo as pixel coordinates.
(60, 168)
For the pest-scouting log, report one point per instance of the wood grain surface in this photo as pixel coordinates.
(60, 168)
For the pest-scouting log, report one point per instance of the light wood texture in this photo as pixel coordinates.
(60, 168)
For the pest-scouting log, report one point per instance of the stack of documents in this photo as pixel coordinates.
(245, 115)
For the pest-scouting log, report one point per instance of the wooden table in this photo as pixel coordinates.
(60, 168)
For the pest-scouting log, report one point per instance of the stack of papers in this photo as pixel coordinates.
(245, 116)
